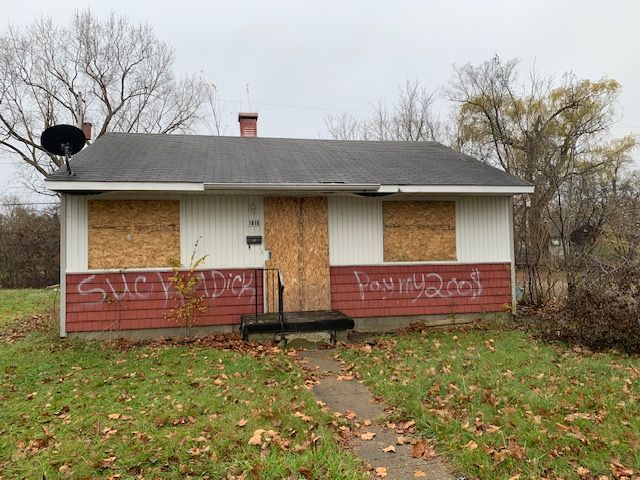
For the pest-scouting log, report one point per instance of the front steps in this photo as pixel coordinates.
(297, 328)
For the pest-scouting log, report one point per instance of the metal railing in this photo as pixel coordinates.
(272, 294)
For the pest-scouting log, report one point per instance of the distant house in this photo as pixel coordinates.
(385, 232)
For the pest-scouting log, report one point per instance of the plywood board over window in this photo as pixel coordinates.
(419, 231)
(133, 233)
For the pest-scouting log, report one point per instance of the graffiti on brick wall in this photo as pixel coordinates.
(418, 285)
(143, 286)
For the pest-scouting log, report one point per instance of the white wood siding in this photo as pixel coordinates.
(355, 231)
(220, 225)
(483, 232)
(483, 229)
(76, 232)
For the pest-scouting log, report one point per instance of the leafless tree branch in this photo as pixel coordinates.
(116, 74)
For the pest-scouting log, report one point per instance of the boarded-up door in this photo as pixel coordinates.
(297, 234)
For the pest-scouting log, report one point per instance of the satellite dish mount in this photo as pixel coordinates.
(63, 140)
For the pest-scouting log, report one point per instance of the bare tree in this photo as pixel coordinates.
(411, 117)
(29, 244)
(344, 127)
(113, 73)
(545, 133)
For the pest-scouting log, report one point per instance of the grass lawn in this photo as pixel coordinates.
(500, 405)
(82, 409)
(15, 304)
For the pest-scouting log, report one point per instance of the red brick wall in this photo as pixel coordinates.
(378, 291)
(139, 300)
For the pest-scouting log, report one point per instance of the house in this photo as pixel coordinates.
(387, 233)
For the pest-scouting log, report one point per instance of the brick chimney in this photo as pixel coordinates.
(87, 129)
(248, 124)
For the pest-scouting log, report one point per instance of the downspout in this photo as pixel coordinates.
(63, 265)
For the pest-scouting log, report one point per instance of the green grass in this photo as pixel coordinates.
(499, 404)
(15, 304)
(179, 408)
(81, 409)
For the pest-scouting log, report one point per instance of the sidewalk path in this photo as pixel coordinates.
(343, 394)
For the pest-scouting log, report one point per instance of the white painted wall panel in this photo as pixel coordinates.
(355, 231)
(220, 225)
(483, 229)
(76, 232)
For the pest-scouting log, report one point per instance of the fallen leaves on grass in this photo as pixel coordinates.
(109, 432)
(389, 449)
(256, 438)
(306, 472)
(263, 438)
(513, 450)
(33, 446)
(471, 445)
(419, 474)
(20, 328)
(107, 463)
(303, 417)
(65, 469)
(572, 417)
(119, 416)
(582, 471)
(442, 380)
(197, 451)
(223, 341)
(620, 471)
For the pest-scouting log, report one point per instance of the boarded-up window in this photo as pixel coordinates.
(133, 233)
(419, 231)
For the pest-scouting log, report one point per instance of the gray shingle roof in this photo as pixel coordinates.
(119, 157)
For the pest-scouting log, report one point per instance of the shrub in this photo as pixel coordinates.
(600, 315)
(190, 302)
(29, 247)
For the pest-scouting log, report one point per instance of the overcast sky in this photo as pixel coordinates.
(305, 59)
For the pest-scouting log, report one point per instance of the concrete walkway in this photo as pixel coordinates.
(371, 435)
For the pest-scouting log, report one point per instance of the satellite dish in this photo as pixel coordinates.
(64, 140)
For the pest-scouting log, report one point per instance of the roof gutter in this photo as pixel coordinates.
(79, 186)
(66, 186)
(62, 186)
(461, 189)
